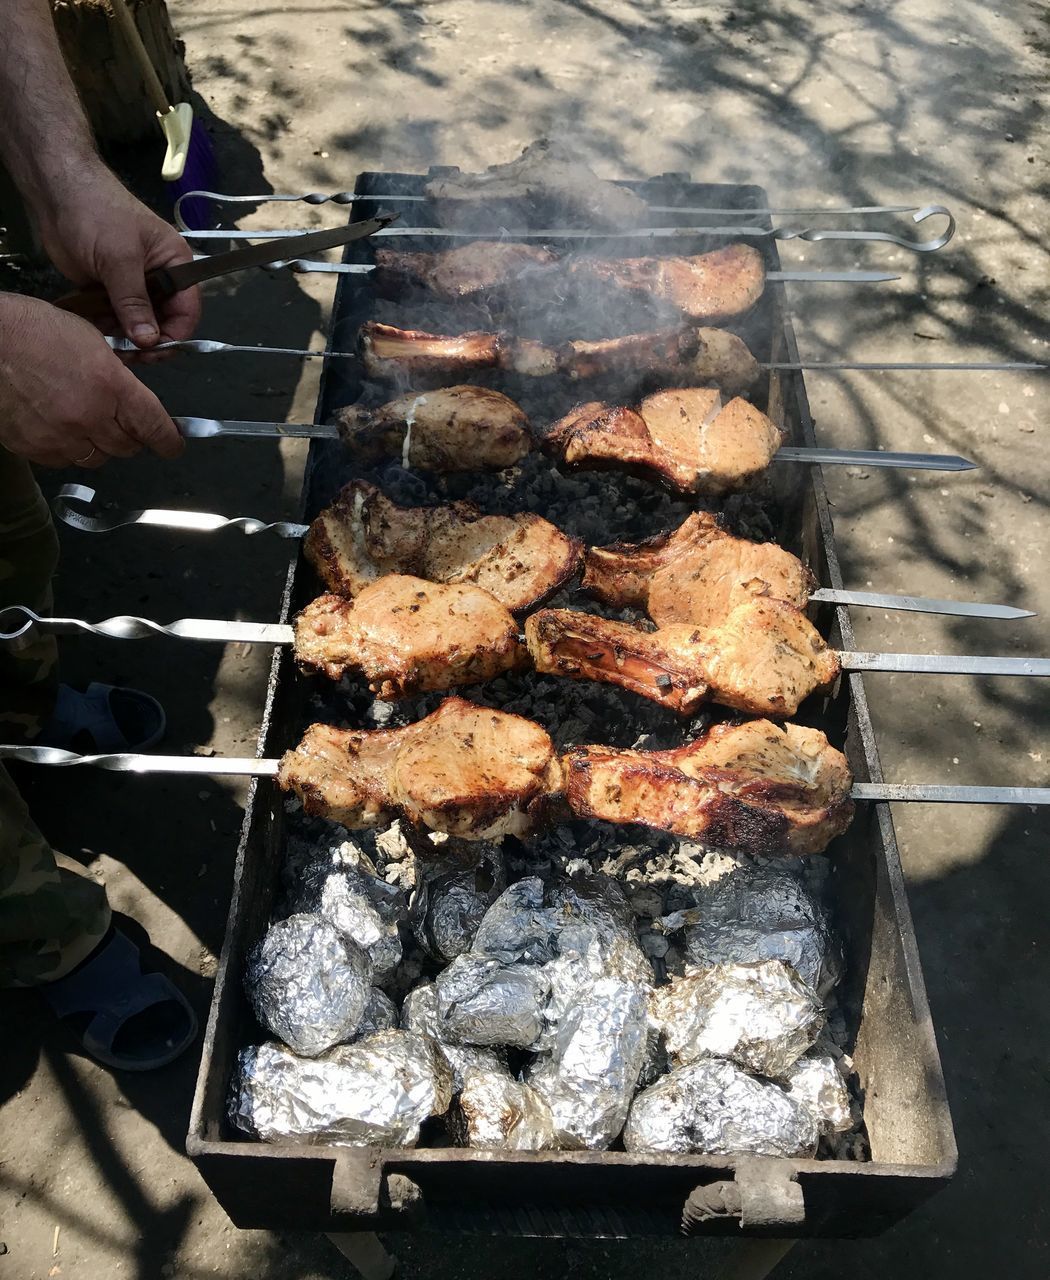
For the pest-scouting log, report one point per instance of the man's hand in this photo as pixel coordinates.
(66, 398)
(99, 231)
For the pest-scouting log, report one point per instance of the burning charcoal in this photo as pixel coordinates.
(755, 911)
(518, 926)
(496, 1113)
(714, 1108)
(481, 1001)
(376, 1093)
(380, 1015)
(762, 1016)
(308, 984)
(816, 1084)
(419, 1013)
(591, 1074)
(456, 905)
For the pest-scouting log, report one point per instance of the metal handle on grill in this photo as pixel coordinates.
(93, 521)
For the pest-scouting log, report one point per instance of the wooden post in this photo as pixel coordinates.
(105, 73)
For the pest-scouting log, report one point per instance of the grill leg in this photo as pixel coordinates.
(363, 1250)
(755, 1259)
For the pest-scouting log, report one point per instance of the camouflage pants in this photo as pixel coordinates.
(51, 914)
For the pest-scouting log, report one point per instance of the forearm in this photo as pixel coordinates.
(46, 141)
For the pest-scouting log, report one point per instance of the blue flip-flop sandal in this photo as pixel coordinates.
(104, 718)
(127, 1019)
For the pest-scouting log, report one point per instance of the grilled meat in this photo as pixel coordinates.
(686, 438)
(546, 184)
(461, 428)
(714, 287)
(661, 351)
(757, 787)
(466, 770)
(407, 636)
(362, 536)
(388, 352)
(476, 269)
(683, 354)
(698, 573)
(765, 657)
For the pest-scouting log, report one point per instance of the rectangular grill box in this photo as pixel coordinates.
(913, 1152)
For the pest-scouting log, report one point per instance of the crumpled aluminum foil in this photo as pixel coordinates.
(308, 984)
(519, 926)
(758, 911)
(497, 1113)
(591, 1074)
(713, 1108)
(455, 904)
(595, 921)
(419, 1013)
(816, 1084)
(345, 890)
(762, 1016)
(380, 1015)
(481, 1001)
(377, 1092)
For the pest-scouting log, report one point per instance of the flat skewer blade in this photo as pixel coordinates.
(932, 793)
(129, 762)
(833, 277)
(209, 428)
(945, 664)
(919, 604)
(875, 458)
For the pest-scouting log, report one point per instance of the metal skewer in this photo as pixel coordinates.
(352, 197)
(809, 234)
(209, 346)
(307, 265)
(209, 428)
(247, 766)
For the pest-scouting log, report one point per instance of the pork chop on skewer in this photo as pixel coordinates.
(758, 787)
(686, 438)
(407, 636)
(462, 428)
(466, 770)
(473, 270)
(682, 354)
(695, 574)
(711, 287)
(521, 560)
(765, 657)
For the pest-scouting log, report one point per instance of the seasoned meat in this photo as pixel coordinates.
(685, 438)
(661, 351)
(545, 185)
(682, 354)
(408, 636)
(462, 428)
(520, 559)
(756, 787)
(478, 268)
(465, 770)
(715, 287)
(697, 574)
(765, 657)
(388, 352)
(722, 360)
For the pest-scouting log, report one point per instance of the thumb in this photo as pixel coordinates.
(125, 282)
(142, 416)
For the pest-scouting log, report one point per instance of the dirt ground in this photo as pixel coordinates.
(900, 101)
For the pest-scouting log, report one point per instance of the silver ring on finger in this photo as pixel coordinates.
(82, 462)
